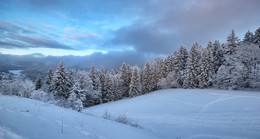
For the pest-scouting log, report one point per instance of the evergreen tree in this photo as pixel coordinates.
(157, 68)
(169, 64)
(193, 67)
(205, 77)
(257, 37)
(249, 37)
(116, 86)
(38, 84)
(102, 80)
(147, 84)
(217, 54)
(49, 80)
(125, 77)
(60, 85)
(76, 97)
(232, 43)
(108, 94)
(180, 64)
(135, 86)
(71, 78)
(93, 76)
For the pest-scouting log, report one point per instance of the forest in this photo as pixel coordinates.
(234, 64)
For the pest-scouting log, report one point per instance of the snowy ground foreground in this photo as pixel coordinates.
(22, 118)
(192, 114)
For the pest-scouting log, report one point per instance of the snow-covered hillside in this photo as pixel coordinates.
(22, 118)
(167, 114)
(192, 114)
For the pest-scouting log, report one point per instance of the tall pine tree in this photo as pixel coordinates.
(135, 86)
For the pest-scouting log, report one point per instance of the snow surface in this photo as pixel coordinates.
(167, 114)
(22, 118)
(192, 114)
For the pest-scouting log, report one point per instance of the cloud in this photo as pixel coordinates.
(144, 38)
(109, 60)
(13, 36)
(6, 27)
(39, 42)
(166, 24)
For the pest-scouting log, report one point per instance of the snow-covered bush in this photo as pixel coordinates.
(169, 82)
(42, 96)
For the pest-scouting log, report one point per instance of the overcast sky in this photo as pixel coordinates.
(111, 29)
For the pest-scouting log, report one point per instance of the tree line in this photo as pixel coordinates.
(234, 64)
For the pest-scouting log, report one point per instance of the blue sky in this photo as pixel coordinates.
(146, 28)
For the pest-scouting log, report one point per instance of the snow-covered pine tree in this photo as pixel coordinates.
(102, 81)
(71, 78)
(248, 38)
(169, 64)
(217, 54)
(93, 76)
(147, 84)
(157, 67)
(116, 86)
(76, 97)
(180, 64)
(89, 96)
(257, 37)
(49, 80)
(38, 84)
(108, 94)
(193, 67)
(232, 43)
(125, 77)
(60, 85)
(135, 86)
(205, 77)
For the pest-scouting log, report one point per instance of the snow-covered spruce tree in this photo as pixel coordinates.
(257, 37)
(217, 54)
(93, 76)
(71, 78)
(135, 86)
(180, 64)
(248, 55)
(248, 38)
(116, 86)
(157, 67)
(125, 77)
(232, 43)
(60, 86)
(89, 95)
(234, 73)
(76, 97)
(102, 77)
(205, 77)
(193, 67)
(38, 84)
(108, 94)
(49, 80)
(147, 84)
(168, 65)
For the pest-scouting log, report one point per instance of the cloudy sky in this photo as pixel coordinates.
(119, 29)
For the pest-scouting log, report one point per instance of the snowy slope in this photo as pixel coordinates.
(192, 114)
(22, 118)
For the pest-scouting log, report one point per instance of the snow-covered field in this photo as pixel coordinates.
(192, 114)
(22, 118)
(168, 114)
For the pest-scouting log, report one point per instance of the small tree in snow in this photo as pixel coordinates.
(135, 86)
